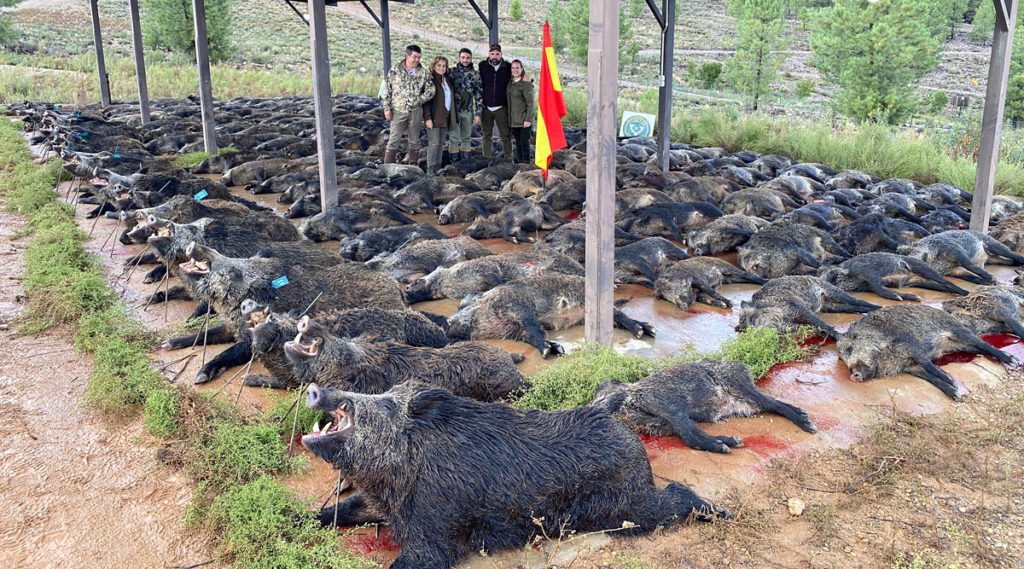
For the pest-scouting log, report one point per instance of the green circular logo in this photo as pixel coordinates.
(637, 126)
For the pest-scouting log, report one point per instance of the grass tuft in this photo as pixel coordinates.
(237, 454)
(160, 414)
(266, 525)
(282, 412)
(123, 377)
(573, 379)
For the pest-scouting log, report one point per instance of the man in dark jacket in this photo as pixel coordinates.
(495, 74)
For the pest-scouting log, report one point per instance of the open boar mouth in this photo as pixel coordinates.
(298, 348)
(194, 267)
(343, 422)
(258, 317)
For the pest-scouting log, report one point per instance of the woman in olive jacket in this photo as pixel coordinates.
(521, 109)
(439, 113)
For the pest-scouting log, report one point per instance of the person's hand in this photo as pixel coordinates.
(476, 121)
(526, 124)
(429, 123)
(387, 115)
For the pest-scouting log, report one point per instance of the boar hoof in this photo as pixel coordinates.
(551, 348)
(201, 377)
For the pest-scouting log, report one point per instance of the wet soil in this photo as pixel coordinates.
(120, 480)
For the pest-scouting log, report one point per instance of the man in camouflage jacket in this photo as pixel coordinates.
(468, 103)
(406, 88)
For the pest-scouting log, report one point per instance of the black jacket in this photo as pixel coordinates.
(495, 82)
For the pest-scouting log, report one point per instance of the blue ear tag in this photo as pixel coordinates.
(280, 282)
(202, 194)
(116, 155)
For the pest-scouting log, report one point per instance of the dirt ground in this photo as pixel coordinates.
(936, 484)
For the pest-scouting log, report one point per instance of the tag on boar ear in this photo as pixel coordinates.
(280, 282)
(202, 194)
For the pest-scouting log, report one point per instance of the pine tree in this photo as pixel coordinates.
(577, 18)
(984, 23)
(168, 24)
(8, 33)
(752, 70)
(874, 52)
(557, 20)
(515, 11)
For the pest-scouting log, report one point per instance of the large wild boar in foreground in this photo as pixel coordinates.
(452, 476)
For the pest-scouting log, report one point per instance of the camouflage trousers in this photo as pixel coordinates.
(459, 137)
(402, 123)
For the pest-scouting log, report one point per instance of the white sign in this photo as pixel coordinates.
(636, 124)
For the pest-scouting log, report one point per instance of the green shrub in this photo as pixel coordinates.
(709, 74)
(238, 454)
(515, 11)
(122, 377)
(804, 88)
(98, 326)
(761, 348)
(54, 255)
(266, 525)
(282, 412)
(572, 380)
(937, 101)
(160, 414)
(65, 302)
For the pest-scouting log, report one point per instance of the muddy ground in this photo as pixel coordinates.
(933, 484)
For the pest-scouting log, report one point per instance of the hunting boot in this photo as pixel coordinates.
(463, 155)
(414, 157)
(389, 156)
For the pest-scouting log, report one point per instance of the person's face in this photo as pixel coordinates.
(413, 59)
(494, 55)
(465, 58)
(517, 70)
(441, 67)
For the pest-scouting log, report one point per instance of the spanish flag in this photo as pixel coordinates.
(550, 107)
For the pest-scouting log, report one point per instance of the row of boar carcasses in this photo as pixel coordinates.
(808, 234)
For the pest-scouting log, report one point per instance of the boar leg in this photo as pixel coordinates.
(155, 275)
(147, 259)
(733, 275)
(771, 405)
(219, 334)
(807, 316)
(931, 279)
(876, 286)
(696, 438)
(708, 295)
(973, 343)
(636, 327)
(934, 375)
(690, 502)
(177, 292)
(846, 303)
(351, 511)
(236, 355)
(983, 277)
(993, 247)
(262, 380)
(534, 335)
(1015, 326)
(831, 246)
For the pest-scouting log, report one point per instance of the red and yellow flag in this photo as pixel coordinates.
(550, 107)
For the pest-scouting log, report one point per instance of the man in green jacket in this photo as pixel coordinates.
(468, 103)
(406, 88)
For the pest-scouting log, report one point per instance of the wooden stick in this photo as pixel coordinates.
(206, 324)
(295, 422)
(97, 220)
(241, 384)
(337, 496)
(109, 235)
(232, 378)
(167, 292)
(138, 262)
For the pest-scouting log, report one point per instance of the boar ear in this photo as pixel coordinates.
(429, 406)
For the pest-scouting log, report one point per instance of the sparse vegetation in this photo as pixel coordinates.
(160, 415)
(266, 525)
(572, 380)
